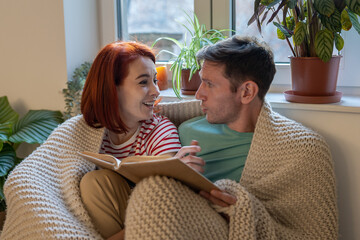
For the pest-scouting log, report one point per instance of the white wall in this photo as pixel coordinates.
(81, 32)
(32, 54)
(342, 131)
(41, 43)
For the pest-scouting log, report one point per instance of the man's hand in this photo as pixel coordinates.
(220, 198)
(187, 155)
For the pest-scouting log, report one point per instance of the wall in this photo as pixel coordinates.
(41, 43)
(32, 54)
(341, 131)
(82, 36)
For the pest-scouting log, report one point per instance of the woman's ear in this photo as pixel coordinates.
(247, 91)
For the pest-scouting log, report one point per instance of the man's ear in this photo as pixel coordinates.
(247, 91)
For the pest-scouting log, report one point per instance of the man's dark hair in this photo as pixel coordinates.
(244, 58)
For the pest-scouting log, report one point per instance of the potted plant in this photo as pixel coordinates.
(315, 26)
(33, 128)
(72, 93)
(185, 67)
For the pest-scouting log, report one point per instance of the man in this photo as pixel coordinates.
(277, 183)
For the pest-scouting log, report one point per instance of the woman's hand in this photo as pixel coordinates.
(220, 198)
(187, 154)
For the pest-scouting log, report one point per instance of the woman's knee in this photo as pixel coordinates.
(98, 180)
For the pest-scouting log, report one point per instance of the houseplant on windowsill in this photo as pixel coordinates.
(72, 93)
(315, 26)
(33, 128)
(185, 68)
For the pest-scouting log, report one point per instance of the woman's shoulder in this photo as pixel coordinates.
(76, 128)
(158, 120)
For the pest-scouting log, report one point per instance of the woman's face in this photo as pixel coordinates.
(138, 92)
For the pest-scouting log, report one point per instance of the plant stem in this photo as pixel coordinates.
(291, 47)
(313, 29)
(15, 146)
(287, 39)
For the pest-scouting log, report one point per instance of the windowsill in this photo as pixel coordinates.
(348, 104)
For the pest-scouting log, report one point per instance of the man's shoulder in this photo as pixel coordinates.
(194, 123)
(293, 131)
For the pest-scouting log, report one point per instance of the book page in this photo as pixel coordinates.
(102, 160)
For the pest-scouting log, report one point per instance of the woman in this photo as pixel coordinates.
(119, 94)
(42, 192)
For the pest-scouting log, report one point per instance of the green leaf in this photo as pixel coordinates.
(325, 7)
(271, 3)
(282, 29)
(36, 126)
(280, 35)
(333, 22)
(7, 159)
(169, 39)
(345, 20)
(353, 5)
(5, 131)
(266, 2)
(7, 114)
(354, 21)
(290, 23)
(339, 42)
(292, 4)
(1, 145)
(299, 33)
(324, 44)
(166, 51)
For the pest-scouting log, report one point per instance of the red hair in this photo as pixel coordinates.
(99, 101)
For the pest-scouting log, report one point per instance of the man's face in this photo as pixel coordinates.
(218, 102)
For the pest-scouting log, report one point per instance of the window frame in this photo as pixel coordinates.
(219, 15)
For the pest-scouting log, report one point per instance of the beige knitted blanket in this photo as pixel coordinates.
(287, 190)
(42, 192)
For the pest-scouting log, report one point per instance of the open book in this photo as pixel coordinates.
(136, 168)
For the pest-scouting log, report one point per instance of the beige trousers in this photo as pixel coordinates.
(105, 195)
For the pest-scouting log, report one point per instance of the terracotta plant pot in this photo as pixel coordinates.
(189, 87)
(314, 79)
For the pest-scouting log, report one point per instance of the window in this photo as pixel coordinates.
(244, 9)
(349, 73)
(157, 18)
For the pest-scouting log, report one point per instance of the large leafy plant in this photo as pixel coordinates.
(315, 26)
(186, 59)
(34, 127)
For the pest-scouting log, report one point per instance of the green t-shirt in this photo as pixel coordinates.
(223, 149)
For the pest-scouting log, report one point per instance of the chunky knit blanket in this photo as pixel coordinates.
(42, 193)
(287, 190)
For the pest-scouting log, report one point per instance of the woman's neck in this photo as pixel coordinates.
(120, 138)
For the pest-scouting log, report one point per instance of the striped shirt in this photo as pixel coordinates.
(156, 136)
